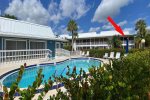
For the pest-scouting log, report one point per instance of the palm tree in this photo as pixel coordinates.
(72, 27)
(140, 27)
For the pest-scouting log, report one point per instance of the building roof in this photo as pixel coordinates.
(23, 29)
(95, 35)
(113, 33)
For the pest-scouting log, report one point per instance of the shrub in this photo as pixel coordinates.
(67, 47)
(99, 53)
(133, 50)
(126, 79)
(133, 72)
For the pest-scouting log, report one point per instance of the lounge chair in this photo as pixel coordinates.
(125, 55)
(87, 54)
(105, 56)
(83, 53)
(111, 55)
(118, 55)
(80, 53)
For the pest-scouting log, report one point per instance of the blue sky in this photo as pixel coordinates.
(90, 15)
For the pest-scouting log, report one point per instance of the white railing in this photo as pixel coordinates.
(75, 53)
(21, 55)
(91, 43)
(62, 52)
(130, 42)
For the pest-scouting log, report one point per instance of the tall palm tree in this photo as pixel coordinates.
(140, 27)
(72, 27)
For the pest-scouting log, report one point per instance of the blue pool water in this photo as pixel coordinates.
(48, 70)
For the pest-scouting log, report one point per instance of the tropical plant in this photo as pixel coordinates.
(126, 79)
(140, 27)
(72, 27)
(10, 16)
(116, 42)
(9, 95)
(29, 93)
(147, 39)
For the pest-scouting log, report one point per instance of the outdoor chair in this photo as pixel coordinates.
(118, 55)
(111, 55)
(87, 54)
(105, 56)
(83, 53)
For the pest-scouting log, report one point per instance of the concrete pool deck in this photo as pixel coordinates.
(4, 68)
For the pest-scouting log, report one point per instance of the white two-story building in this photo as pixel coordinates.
(93, 40)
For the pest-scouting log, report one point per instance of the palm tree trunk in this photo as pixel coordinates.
(72, 40)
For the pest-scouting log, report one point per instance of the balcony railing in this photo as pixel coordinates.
(130, 42)
(20, 55)
(91, 43)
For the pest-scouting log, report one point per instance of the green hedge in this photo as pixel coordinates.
(136, 50)
(98, 53)
(134, 72)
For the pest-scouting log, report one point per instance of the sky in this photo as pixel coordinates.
(90, 15)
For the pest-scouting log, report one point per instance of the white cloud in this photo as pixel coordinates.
(55, 15)
(139, 19)
(67, 9)
(148, 5)
(81, 31)
(108, 26)
(73, 8)
(61, 30)
(129, 29)
(148, 27)
(28, 10)
(109, 8)
(94, 29)
(33, 10)
(122, 23)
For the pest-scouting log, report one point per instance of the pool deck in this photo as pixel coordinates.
(4, 68)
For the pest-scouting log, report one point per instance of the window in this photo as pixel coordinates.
(37, 45)
(15, 45)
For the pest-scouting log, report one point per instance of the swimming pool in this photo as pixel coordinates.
(50, 69)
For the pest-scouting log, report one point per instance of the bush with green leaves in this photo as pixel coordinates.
(126, 79)
(99, 53)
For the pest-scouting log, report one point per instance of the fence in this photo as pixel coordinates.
(63, 52)
(20, 55)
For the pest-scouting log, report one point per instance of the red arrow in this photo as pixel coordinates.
(117, 28)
